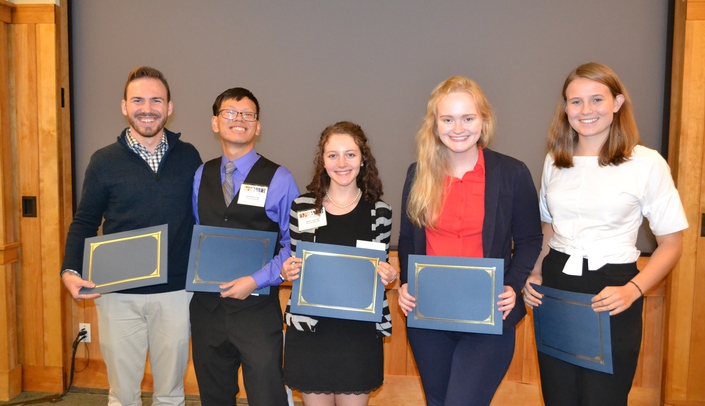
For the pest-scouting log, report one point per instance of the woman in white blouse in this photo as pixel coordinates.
(598, 184)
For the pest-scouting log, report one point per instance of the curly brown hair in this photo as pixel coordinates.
(367, 180)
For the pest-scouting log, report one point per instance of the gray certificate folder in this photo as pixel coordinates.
(456, 293)
(338, 281)
(567, 328)
(126, 260)
(220, 254)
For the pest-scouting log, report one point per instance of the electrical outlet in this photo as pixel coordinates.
(87, 327)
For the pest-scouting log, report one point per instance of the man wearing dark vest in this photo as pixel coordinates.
(241, 189)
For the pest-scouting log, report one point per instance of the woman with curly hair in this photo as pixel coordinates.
(334, 361)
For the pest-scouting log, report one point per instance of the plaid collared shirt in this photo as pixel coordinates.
(152, 159)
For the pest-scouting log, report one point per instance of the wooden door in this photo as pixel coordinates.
(684, 382)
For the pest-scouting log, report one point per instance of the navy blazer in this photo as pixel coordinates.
(511, 228)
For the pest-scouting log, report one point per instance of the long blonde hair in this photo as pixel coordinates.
(623, 135)
(427, 194)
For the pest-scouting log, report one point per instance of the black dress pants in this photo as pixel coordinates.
(567, 384)
(222, 341)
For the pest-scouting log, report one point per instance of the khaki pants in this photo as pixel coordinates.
(129, 326)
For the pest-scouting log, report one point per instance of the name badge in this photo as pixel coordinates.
(252, 195)
(379, 246)
(308, 219)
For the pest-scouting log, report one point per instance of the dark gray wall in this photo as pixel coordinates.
(312, 63)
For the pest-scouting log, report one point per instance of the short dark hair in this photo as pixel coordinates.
(237, 93)
(142, 72)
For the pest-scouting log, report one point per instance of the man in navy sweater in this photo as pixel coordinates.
(142, 180)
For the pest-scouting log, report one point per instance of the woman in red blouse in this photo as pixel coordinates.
(461, 199)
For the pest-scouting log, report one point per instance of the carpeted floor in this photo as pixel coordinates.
(85, 397)
(89, 397)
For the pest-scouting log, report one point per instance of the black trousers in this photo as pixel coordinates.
(566, 384)
(222, 341)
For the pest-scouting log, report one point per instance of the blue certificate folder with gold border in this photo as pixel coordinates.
(126, 260)
(456, 293)
(567, 328)
(338, 281)
(220, 254)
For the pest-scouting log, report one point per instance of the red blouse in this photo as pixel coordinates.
(458, 230)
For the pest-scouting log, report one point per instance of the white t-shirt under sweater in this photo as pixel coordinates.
(596, 211)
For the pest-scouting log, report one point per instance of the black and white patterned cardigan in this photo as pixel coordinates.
(382, 228)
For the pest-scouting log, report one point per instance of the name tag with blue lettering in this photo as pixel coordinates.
(252, 195)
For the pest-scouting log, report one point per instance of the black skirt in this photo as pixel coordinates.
(341, 356)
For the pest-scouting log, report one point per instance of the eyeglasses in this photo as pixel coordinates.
(232, 115)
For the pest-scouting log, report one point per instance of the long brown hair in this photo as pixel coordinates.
(623, 135)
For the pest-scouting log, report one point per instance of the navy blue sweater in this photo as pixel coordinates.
(122, 188)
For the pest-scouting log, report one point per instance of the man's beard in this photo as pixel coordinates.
(147, 130)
